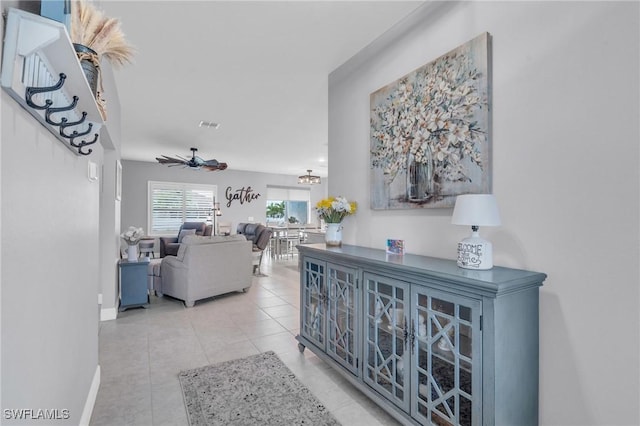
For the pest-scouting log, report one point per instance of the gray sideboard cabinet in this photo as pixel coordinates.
(429, 342)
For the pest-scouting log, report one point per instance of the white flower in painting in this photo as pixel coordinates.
(432, 118)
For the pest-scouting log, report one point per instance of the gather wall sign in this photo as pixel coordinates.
(243, 195)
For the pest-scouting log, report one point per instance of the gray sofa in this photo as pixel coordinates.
(206, 267)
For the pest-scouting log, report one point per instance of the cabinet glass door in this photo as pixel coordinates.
(386, 348)
(341, 309)
(447, 364)
(312, 314)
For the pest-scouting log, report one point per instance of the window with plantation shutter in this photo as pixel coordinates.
(170, 204)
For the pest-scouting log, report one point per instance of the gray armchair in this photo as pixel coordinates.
(259, 235)
(169, 245)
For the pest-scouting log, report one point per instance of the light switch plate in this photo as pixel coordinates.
(92, 171)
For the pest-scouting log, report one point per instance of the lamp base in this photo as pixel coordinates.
(475, 253)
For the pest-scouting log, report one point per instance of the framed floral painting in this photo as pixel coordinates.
(430, 131)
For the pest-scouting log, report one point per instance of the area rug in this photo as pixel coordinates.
(257, 390)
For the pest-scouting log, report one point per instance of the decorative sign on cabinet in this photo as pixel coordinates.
(429, 342)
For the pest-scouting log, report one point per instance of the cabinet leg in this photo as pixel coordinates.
(301, 347)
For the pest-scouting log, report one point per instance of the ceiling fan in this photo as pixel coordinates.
(194, 162)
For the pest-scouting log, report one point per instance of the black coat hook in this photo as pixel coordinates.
(82, 144)
(75, 134)
(52, 110)
(35, 90)
(64, 124)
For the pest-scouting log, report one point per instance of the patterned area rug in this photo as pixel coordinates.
(257, 390)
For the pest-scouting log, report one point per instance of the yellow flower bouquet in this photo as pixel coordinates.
(334, 209)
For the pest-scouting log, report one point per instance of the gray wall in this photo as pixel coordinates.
(565, 173)
(59, 251)
(50, 268)
(109, 206)
(137, 174)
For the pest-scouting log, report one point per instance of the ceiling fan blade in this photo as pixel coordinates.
(213, 163)
(162, 160)
(168, 160)
(212, 168)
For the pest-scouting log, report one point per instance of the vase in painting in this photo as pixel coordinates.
(420, 177)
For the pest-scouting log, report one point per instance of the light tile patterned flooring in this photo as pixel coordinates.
(142, 351)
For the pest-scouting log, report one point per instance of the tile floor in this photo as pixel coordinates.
(142, 351)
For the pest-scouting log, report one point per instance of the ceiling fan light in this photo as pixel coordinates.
(308, 179)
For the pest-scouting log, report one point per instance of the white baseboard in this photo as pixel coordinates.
(91, 398)
(107, 314)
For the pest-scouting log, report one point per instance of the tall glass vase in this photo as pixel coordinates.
(420, 185)
(333, 235)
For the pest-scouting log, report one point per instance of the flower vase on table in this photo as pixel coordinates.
(333, 235)
(132, 253)
(332, 210)
(132, 236)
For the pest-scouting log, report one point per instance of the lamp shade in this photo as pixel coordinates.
(476, 210)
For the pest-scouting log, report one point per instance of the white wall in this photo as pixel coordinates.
(109, 205)
(565, 173)
(136, 174)
(58, 232)
(50, 269)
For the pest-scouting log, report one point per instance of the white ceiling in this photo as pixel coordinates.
(259, 68)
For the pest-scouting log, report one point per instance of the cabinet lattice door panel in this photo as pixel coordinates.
(447, 364)
(313, 298)
(341, 310)
(386, 349)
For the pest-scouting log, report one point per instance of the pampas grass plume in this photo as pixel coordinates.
(90, 27)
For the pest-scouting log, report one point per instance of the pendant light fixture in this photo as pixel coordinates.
(308, 179)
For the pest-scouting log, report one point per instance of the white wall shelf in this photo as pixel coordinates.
(37, 51)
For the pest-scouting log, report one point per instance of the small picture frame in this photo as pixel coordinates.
(395, 247)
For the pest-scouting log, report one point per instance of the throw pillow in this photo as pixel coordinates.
(184, 233)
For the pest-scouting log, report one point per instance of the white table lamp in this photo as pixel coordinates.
(475, 210)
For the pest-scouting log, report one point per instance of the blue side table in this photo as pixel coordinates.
(133, 284)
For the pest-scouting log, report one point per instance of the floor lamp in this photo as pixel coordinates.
(215, 214)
